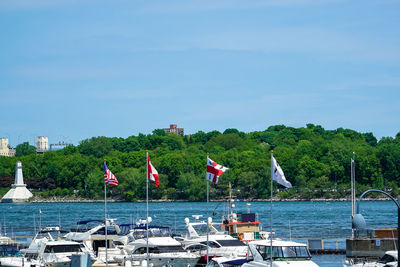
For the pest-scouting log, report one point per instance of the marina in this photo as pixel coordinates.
(299, 221)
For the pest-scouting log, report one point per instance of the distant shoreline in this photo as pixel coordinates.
(79, 200)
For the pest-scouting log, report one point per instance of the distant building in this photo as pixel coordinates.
(5, 149)
(173, 128)
(18, 191)
(42, 144)
(58, 146)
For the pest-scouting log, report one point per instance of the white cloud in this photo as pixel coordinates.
(310, 40)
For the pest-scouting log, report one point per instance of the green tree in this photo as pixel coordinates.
(24, 149)
(96, 146)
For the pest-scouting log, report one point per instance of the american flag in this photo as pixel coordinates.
(109, 177)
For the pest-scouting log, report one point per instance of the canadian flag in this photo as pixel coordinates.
(214, 170)
(152, 173)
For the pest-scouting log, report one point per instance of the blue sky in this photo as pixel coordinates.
(72, 69)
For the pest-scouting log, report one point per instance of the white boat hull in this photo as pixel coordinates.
(159, 260)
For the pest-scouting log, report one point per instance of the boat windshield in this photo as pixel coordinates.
(284, 253)
(231, 243)
(62, 248)
(160, 249)
(386, 258)
(225, 264)
(153, 232)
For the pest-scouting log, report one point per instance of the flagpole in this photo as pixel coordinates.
(207, 212)
(105, 218)
(353, 191)
(147, 207)
(272, 170)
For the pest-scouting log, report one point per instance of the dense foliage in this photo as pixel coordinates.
(316, 161)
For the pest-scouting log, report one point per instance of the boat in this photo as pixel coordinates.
(9, 250)
(243, 226)
(163, 249)
(389, 259)
(285, 253)
(226, 262)
(92, 233)
(217, 244)
(49, 249)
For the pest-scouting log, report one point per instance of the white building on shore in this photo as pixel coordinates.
(5, 149)
(18, 191)
(42, 144)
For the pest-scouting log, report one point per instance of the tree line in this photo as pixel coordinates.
(316, 161)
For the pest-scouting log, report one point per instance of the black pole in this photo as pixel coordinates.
(398, 236)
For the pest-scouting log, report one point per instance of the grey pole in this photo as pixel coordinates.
(398, 216)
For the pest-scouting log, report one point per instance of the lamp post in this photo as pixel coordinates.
(359, 221)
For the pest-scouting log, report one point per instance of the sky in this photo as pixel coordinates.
(75, 69)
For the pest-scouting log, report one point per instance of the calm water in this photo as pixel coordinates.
(298, 220)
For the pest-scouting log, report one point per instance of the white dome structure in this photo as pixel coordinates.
(18, 191)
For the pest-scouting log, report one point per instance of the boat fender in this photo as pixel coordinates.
(240, 236)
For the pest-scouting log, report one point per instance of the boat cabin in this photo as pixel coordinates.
(243, 226)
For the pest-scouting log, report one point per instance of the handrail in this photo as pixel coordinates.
(378, 191)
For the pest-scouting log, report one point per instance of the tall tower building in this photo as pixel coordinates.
(4, 147)
(42, 144)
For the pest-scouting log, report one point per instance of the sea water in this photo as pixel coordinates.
(297, 220)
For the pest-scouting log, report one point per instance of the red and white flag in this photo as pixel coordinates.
(214, 170)
(152, 173)
(109, 177)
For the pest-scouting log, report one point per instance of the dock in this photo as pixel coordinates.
(324, 246)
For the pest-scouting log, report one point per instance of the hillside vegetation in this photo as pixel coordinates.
(316, 161)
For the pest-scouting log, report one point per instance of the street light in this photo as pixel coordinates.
(358, 221)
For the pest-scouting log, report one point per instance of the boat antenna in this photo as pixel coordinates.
(248, 207)
(59, 219)
(290, 232)
(34, 223)
(175, 222)
(230, 200)
(40, 219)
(5, 226)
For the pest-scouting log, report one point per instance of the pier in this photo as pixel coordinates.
(324, 246)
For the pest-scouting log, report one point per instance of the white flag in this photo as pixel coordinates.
(277, 173)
